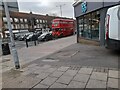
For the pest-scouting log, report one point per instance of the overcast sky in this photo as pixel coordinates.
(47, 7)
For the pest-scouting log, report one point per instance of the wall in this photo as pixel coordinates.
(92, 6)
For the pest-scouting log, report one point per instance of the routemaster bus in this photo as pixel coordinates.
(62, 27)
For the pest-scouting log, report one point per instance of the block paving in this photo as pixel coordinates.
(49, 77)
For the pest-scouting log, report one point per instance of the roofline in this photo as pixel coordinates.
(77, 2)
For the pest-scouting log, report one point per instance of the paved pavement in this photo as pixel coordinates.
(68, 67)
(32, 53)
(47, 77)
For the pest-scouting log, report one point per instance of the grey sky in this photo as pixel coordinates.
(47, 7)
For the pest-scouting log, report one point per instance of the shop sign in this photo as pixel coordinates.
(84, 7)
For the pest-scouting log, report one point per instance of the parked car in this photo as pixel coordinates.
(113, 28)
(29, 37)
(45, 37)
(16, 37)
(21, 37)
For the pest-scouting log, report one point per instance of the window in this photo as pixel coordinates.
(11, 20)
(4, 19)
(40, 25)
(37, 25)
(43, 21)
(6, 26)
(40, 21)
(12, 26)
(22, 26)
(25, 20)
(26, 25)
(89, 25)
(81, 26)
(16, 20)
(37, 21)
(21, 20)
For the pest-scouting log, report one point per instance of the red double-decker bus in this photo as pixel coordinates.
(62, 27)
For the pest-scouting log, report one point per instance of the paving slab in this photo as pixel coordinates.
(81, 77)
(75, 84)
(96, 84)
(112, 83)
(41, 86)
(57, 74)
(62, 68)
(64, 79)
(85, 70)
(43, 75)
(70, 73)
(58, 85)
(99, 76)
(50, 70)
(29, 82)
(113, 74)
(15, 82)
(25, 73)
(45, 67)
(32, 65)
(49, 81)
(39, 71)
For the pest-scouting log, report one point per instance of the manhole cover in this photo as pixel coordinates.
(50, 60)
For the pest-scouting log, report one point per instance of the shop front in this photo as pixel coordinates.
(90, 18)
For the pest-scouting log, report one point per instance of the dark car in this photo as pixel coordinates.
(45, 37)
(21, 37)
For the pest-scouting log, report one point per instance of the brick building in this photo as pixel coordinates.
(21, 21)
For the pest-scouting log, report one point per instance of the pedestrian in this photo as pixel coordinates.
(26, 42)
(34, 38)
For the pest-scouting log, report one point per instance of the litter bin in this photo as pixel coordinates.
(5, 49)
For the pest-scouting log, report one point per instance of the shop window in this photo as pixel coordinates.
(89, 25)
(81, 26)
(95, 25)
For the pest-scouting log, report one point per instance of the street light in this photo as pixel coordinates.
(61, 8)
(13, 49)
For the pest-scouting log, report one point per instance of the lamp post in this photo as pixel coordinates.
(60, 6)
(13, 49)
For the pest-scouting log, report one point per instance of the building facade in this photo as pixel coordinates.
(12, 6)
(21, 21)
(90, 18)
